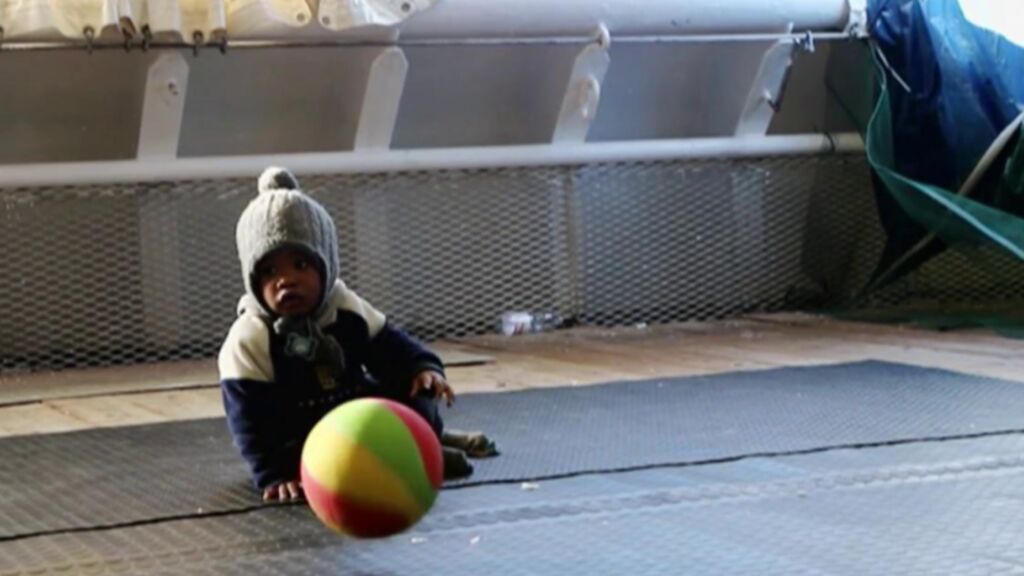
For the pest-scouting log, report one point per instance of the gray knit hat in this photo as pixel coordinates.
(282, 216)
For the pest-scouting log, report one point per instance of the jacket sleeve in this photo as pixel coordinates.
(393, 357)
(252, 401)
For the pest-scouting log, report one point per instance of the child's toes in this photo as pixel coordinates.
(474, 444)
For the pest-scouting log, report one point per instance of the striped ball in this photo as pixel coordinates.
(371, 468)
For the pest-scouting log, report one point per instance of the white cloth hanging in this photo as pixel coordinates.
(190, 20)
(254, 18)
(55, 20)
(345, 14)
(177, 20)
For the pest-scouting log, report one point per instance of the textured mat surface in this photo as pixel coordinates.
(938, 508)
(116, 476)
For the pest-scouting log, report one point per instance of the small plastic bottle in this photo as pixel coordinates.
(545, 321)
(524, 322)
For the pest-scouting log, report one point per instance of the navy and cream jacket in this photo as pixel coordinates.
(272, 400)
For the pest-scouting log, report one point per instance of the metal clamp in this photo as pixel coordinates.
(806, 42)
(197, 39)
(90, 35)
(147, 38)
(127, 39)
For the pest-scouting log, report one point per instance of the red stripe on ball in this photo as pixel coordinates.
(371, 521)
(426, 439)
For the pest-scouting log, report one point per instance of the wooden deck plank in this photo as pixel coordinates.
(562, 358)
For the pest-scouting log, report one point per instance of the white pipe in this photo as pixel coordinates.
(81, 173)
(496, 18)
(33, 46)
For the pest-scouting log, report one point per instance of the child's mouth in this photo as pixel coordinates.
(290, 300)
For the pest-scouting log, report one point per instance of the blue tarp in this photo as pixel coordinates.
(951, 87)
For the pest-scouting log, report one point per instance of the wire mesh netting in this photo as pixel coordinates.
(134, 273)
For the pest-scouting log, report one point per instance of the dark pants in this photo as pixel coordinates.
(423, 404)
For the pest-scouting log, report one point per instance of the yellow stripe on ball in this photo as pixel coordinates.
(372, 484)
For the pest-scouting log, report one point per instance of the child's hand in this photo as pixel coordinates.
(283, 492)
(435, 382)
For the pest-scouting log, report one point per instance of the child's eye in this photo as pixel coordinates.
(267, 272)
(301, 263)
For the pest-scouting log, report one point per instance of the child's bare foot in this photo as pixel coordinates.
(474, 444)
(290, 491)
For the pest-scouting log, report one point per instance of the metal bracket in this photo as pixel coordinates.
(765, 96)
(379, 113)
(163, 107)
(583, 91)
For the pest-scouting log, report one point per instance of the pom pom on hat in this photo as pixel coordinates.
(275, 178)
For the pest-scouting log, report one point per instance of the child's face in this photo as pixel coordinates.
(289, 282)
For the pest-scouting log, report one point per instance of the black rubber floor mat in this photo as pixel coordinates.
(136, 474)
(939, 508)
